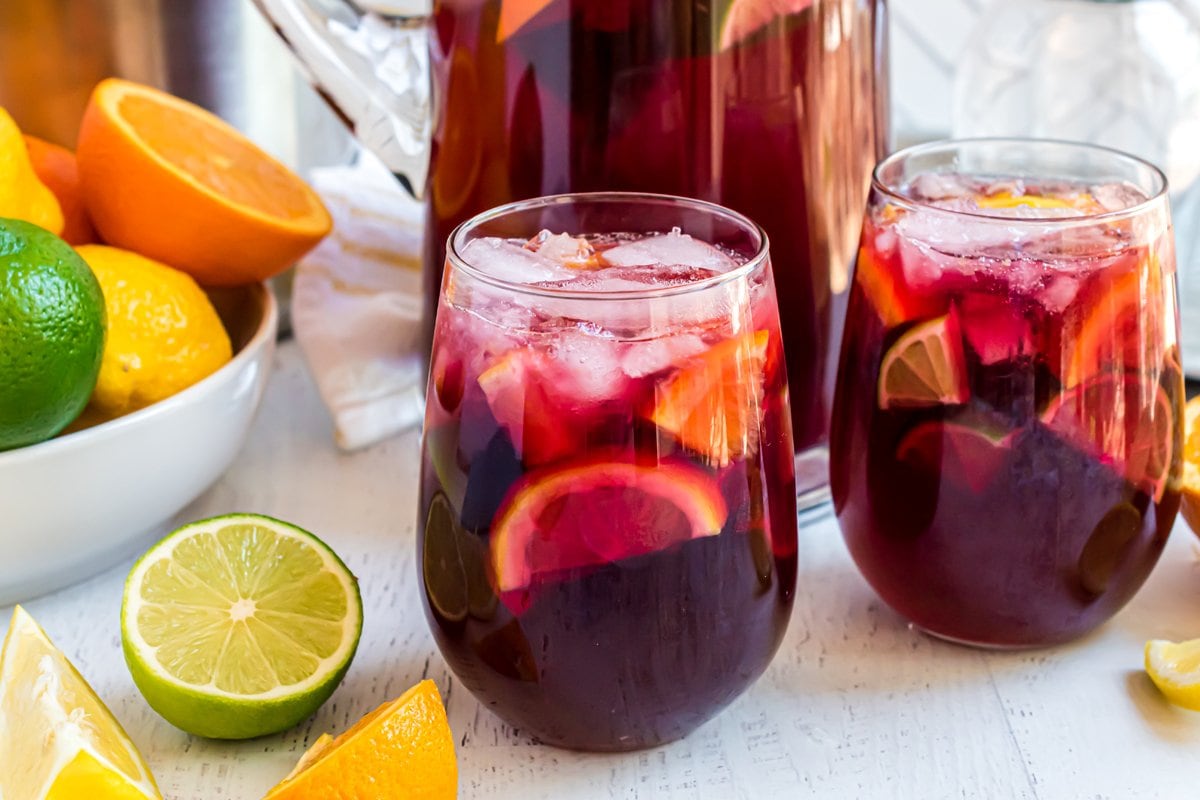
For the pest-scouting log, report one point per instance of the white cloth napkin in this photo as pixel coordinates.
(357, 304)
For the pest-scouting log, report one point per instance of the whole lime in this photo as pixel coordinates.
(52, 327)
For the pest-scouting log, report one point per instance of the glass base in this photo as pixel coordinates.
(997, 646)
(812, 483)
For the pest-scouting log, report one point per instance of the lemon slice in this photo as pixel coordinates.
(57, 739)
(239, 626)
(1175, 669)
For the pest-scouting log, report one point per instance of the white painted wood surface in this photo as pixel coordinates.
(855, 704)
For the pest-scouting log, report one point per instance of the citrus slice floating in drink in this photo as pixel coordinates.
(239, 626)
(403, 749)
(516, 15)
(453, 566)
(1119, 327)
(925, 366)
(957, 452)
(1175, 669)
(713, 402)
(744, 18)
(57, 738)
(596, 511)
(1123, 420)
(522, 390)
(893, 300)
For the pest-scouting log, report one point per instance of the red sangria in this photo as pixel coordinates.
(772, 108)
(607, 527)
(1006, 448)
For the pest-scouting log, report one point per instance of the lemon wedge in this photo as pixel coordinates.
(1175, 669)
(58, 741)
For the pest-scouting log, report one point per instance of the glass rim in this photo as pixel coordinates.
(457, 239)
(1155, 198)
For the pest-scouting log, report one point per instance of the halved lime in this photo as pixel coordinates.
(239, 626)
(925, 367)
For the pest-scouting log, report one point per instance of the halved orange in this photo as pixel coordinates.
(1190, 507)
(957, 452)
(169, 180)
(402, 749)
(598, 510)
(1118, 326)
(925, 366)
(1124, 421)
(713, 403)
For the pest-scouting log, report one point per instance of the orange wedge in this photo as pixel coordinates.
(516, 14)
(713, 403)
(1119, 326)
(169, 180)
(403, 749)
(925, 367)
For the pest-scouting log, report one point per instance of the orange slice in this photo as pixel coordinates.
(596, 511)
(169, 180)
(1118, 327)
(1006, 199)
(402, 749)
(1124, 421)
(925, 366)
(1190, 507)
(516, 14)
(713, 403)
(885, 290)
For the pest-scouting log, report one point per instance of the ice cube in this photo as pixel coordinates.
(654, 355)
(1117, 196)
(589, 363)
(511, 262)
(938, 186)
(669, 249)
(1059, 292)
(572, 252)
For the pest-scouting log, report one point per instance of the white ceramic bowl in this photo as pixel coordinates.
(77, 504)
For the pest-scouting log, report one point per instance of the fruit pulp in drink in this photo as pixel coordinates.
(771, 117)
(1006, 451)
(608, 520)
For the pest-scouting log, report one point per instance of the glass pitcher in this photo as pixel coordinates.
(775, 108)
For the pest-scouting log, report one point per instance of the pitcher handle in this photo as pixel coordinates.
(373, 68)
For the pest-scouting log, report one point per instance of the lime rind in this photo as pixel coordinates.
(245, 690)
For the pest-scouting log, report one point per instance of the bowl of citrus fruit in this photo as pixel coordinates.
(136, 330)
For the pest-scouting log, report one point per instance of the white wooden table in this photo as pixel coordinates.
(855, 704)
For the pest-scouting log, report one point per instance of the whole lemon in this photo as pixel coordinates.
(22, 193)
(163, 333)
(51, 333)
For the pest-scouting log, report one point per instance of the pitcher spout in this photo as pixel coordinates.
(372, 67)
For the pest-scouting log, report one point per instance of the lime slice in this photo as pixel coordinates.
(239, 626)
(57, 739)
(1175, 669)
(744, 18)
(925, 366)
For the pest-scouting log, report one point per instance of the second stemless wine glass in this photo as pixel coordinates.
(608, 518)
(1006, 448)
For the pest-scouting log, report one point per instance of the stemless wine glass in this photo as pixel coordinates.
(607, 518)
(1008, 430)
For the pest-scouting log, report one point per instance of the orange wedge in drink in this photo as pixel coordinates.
(1190, 507)
(169, 180)
(925, 366)
(713, 403)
